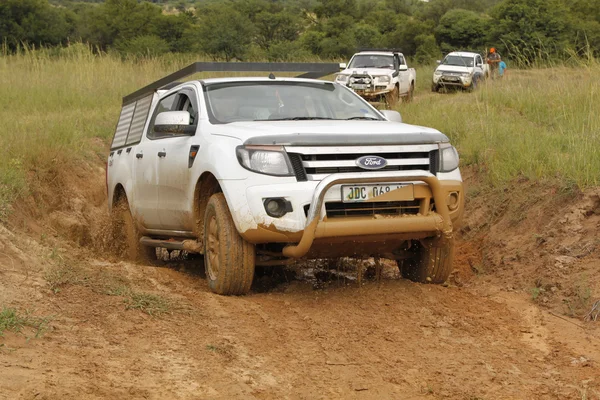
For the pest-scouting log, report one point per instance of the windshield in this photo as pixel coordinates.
(458, 61)
(284, 100)
(372, 61)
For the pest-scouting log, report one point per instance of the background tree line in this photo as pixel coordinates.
(282, 30)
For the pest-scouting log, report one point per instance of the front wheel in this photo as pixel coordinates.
(431, 261)
(393, 97)
(228, 258)
(411, 93)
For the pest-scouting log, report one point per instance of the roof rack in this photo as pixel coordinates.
(379, 49)
(309, 70)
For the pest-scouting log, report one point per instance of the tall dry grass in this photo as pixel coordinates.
(59, 105)
(538, 123)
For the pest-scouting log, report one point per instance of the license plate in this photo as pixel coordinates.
(451, 78)
(360, 87)
(367, 193)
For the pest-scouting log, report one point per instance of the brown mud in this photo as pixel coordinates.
(509, 324)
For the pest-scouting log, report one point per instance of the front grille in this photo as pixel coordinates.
(392, 208)
(315, 163)
(298, 168)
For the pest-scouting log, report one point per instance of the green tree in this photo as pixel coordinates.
(427, 49)
(460, 30)
(276, 27)
(172, 30)
(531, 29)
(34, 22)
(118, 20)
(336, 8)
(403, 37)
(223, 32)
(585, 17)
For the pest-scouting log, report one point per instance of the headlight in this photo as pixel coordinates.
(448, 159)
(437, 73)
(465, 74)
(269, 160)
(383, 79)
(342, 78)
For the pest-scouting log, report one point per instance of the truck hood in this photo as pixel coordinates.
(453, 68)
(370, 71)
(329, 133)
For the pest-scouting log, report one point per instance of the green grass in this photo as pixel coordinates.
(540, 124)
(61, 105)
(13, 320)
(150, 304)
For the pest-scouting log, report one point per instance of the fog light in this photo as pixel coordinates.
(277, 207)
(452, 201)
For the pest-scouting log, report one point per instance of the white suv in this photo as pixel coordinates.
(460, 69)
(262, 171)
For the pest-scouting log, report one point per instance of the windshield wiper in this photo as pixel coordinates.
(364, 118)
(293, 119)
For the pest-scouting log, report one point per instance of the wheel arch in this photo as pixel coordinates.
(206, 186)
(119, 193)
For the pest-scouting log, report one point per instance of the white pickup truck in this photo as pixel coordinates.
(460, 69)
(377, 74)
(266, 170)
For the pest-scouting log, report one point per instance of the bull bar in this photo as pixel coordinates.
(315, 227)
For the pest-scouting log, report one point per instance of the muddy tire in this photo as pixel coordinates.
(228, 258)
(431, 261)
(393, 97)
(127, 236)
(435, 88)
(411, 93)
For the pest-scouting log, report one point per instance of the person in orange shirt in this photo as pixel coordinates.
(493, 60)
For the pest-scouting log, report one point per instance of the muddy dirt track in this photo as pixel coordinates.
(483, 336)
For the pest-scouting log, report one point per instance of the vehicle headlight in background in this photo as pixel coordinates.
(465, 74)
(437, 73)
(383, 79)
(341, 78)
(269, 160)
(448, 159)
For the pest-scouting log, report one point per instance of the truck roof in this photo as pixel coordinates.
(463, 53)
(379, 53)
(209, 81)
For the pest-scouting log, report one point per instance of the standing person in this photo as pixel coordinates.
(493, 60)
(501, 68)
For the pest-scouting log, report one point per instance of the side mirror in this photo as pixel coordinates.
(403, 67)
(390, 115)
(174, 122)
(343, 66)
(438, 61)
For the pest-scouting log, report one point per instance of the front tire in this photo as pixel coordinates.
(431, 261)
(411, 93)
(228, 258)
(393, 97)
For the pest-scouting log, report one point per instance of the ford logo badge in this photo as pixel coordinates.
(371, 162)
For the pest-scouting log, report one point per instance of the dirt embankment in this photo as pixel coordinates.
(508, 326)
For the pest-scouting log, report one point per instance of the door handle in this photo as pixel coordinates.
(139, 155)
(162, 154)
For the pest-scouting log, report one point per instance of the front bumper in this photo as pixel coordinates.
(301, 229)
(453, 80)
